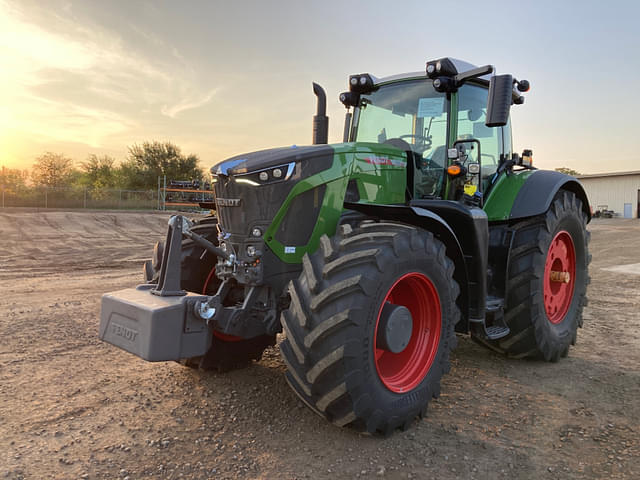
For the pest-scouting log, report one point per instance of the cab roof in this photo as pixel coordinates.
(461, 66)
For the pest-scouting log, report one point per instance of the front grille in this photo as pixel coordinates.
(241, 206)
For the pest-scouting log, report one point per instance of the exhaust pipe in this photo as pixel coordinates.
(320, 120)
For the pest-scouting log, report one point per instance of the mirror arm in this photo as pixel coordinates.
(460, 78)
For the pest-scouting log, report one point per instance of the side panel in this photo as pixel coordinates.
(380, 175)
(503, 194)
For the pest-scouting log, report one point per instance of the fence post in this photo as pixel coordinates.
(46, 200)
(85, 197)
(3, 196)
(164, 196)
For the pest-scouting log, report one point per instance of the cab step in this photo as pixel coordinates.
(495, 332)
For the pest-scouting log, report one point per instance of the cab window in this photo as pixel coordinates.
(472, 109)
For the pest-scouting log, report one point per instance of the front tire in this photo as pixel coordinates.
(547, 282)
(336, 360)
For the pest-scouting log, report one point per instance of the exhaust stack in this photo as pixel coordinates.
(320, 120)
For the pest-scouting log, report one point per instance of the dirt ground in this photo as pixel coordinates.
(74, 407)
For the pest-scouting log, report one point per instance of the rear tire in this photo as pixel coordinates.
(334, 363)
(198, 275)
(544, 315)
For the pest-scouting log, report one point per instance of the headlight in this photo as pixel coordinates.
(266, 176)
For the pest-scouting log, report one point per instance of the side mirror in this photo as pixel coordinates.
(499, 102)
(473, 165)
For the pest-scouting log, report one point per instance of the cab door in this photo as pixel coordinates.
(471, 117)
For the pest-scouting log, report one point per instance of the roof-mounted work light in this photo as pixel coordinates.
(349, 99)
(362, 83)
(443, 67)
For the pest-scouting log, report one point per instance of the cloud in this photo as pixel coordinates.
(30, 47)
(187, 104)
(72, 79)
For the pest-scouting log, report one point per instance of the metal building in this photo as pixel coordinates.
(618, 191)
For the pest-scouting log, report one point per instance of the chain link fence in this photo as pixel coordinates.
(80, 198)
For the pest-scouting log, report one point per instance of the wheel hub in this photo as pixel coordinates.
(394, 331)
(559, 277)
(412, 298)
(562, 277)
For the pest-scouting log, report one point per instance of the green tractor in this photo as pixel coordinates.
(372, 253)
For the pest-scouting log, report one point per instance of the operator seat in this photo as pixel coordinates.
(430, 172)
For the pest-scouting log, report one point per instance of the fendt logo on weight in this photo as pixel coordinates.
(228, 202)
(124, 332)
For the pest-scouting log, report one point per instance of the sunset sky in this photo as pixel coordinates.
(225, 77)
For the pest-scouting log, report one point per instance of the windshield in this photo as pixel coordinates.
(410, 111)
(412, 116)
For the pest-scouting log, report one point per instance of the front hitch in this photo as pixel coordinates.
(169, 280)
(159, 322)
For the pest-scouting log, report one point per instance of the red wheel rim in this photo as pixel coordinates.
(559, 277)
(401, 372)
(220, 335)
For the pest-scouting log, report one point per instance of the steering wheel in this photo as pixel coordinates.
(425, 140)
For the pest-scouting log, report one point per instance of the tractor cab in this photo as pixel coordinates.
(440, 120)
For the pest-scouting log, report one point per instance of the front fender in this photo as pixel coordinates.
(434, 223)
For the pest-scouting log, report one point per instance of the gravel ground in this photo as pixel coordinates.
(74, 407)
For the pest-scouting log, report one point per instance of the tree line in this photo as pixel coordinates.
(139, 171)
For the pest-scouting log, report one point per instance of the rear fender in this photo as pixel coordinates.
(538, 191)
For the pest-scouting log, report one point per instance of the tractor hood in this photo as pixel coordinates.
(251, 188)
(264, 159)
